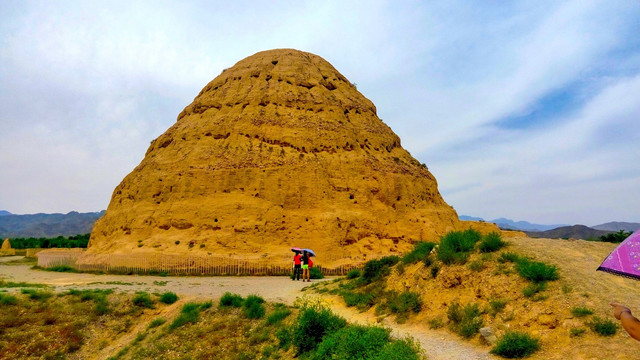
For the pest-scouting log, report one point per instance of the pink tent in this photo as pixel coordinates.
(625, 259)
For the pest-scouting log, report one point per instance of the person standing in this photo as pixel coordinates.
(297, 266)
(305, 267)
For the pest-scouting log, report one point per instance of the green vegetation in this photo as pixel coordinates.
(354, 273)
(156, 322)
(37, 294)
(465, 321)
(190, 313)
(516, 345)
(315, 273)
(168, 297)
(253, 307)
(491, 242)
(405, 302)
(61, 268)
(230, 300)
(577, 332)
(279, 313)
(497, 305)
(420, 252)
(75, 241)
(616, 237)
(10, 284)
(456, 246)
(534, 288)
(581, 311)
(377, 269)
(536, 271)
(142, 299)
(603, 327)
(8, 299)
(312, 325)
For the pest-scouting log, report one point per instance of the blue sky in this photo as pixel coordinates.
(528, 110)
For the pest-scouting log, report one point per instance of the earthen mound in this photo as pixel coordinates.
(278, 150)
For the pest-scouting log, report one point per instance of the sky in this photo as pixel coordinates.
(528, 110)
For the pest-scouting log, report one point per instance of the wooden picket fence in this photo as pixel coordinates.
(173, 264)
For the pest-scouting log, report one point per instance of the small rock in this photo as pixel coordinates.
(488, 335)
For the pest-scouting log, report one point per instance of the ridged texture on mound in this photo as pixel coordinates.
(279, 150)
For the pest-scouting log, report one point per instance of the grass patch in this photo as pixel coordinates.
(455, 246)
(278, 314)
(436, 323)
(353, 342)
(405, 302)
(190, 313)
(253, 307)
(358, 299)
(143, 299)
(6, 299)
(420, 252)
(577, 332)
(354, 273)
(62, 268)
(491, 242)
(37, 294)
(497, 305)
(536, 271)
(312, 325)
(376, 269)
(510, 257)
(581, 311)
(168, 298)
(476, 266)
(156, 322)
(230, 300)
(465, 321)
(516, 345)
(603, 327)
(10, 284)
(533, 289)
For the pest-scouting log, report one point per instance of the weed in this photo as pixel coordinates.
(230, 300)
(253, 307)
(497, 305)
(577, 331)
(466, 321)
(352, 342)
(603, 327)
(8, 299)
(278, 315)
(10, 284)
(156, 322)
(405, 302)
(455, 246)
(285, 337)
(420, 252)
(510, 257)
(189, 314)
(436, 323)
(581, 311)
(533, 289)
(312, 325)
(536, 271)
(168, 298)
(516, 345)
(476, 266)
(377, 269)
(142, 299)
(37, 294)
(354, 273)
(491, 242)
(358, 299)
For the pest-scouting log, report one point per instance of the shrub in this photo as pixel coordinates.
(168, 298)
(253, 307)
(8, 299)
(581, 311)
(420, 252)
(516, 345)
(189, 314)
(510, 257)
(497, 305)
(456, 245)
(352, 342)
(576, 331)
(315, 273)
(405, 349)
(603, 327)
(278, 315)
(436, 323)
(358, 299)
(312, 324)
(61, 268)
(284, 336)
(142, 299)
(376, 269)
(533, 289)
(156, 322)
(615, 237)
(354, 273)
(476, 266)
(491, 242)
(536, 271)
(229, 299)
(37, 294)
(405, 302)
(466, 321)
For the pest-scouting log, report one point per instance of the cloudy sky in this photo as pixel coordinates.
(528, 110)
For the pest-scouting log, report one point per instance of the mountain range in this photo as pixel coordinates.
(46, 225)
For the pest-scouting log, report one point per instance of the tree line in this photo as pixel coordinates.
(74, 241)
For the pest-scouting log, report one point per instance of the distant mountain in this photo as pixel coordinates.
(617, 226)
(47, 225)
(4, 212)
(566, 232)
(508, 224)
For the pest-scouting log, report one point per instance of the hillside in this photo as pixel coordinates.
(569, 232)
(617, 226)
(47, 225)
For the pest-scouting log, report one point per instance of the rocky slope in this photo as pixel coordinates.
(278, 150)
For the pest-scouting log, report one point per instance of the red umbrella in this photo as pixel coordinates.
(624, 260)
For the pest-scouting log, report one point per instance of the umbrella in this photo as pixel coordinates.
(311, 252)
(296, 249)
(624, 260)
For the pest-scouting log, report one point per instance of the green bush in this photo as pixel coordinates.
(253, 307)
(467, 320)
(436, 323)
(189, 313)
(279, 314)
(142, 299)
(376, 269)
(358, 299)
(616, 237)
(455, 246)
(491, 242)
(534, 288)
(232, 300)
(61, 268)
(420, 252)
(405, 302)
(510, 257)
(352, 342)
(399, 350)
(6, 299)
(156, 322)
(354, 273)
(312, 325)
(285, 336)
(581, 311)
(168, 298)
(603, 327)
(476, 266)
(497, 305)
(37, 294)
(536, 271)
(315, 273)
(516, 345)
